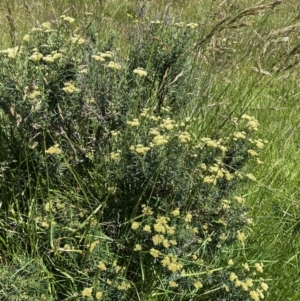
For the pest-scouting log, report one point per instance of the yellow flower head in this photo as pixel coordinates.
(259, 267)
(147, 210)
(69, 88)
(252, 153)
(240, 236)
(142, 150)
(102, 266)
(238, 283)
(140, 72)
(114, 65)
(259, 144)
(254, 295)
(45, 225)
(56, 55)
(198, 284)
(135, 225)
(155, 253)
(264, 286)
(99, 295)
(259, 161)
(246, 266)
(12, 52)
(92, 245)
(175, 212)
(210, 180)
(98, 58)
(77, 40)
(160, 140)
(260, 293)
(249, 282)
(124, 286)
(192, 25)
(157, 239)
(159, 228)
(34, 94)
(188, 218)
(168, 124)
(166, 243)
(180, 24)
(154, 132)
(173, 284)
(210, 143)
(53, 150)
(137, 247)
(36, 56)
(145, 112)
(166, 261)
(46, 25)
(240, 200)
(147, 228)
(135, 122)
(68, 19)
(26, 38)
(162, 220)
(107, 54)
(173, 267)
(233, 276)
(253, 125)
(87, 292)
(48, 59)
(115, 155)
(239, 135)
(223, 236)
(251, 176)
(184, 137)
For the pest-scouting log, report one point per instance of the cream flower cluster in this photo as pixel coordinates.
(252, 122)
(165, 130)
(54, 150)
(247, 285)
(69, 88)
(102, 56)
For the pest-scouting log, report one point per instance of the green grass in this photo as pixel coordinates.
(238, 70)
(275, 202)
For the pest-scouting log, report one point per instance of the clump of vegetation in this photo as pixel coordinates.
(108, 189)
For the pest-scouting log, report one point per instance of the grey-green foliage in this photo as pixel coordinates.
(73, 115)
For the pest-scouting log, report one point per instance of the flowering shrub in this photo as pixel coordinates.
(113, 190)
(174, 198)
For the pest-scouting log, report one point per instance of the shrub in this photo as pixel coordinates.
(113, 191)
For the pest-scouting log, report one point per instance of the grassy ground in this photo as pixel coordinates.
(255, 70)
